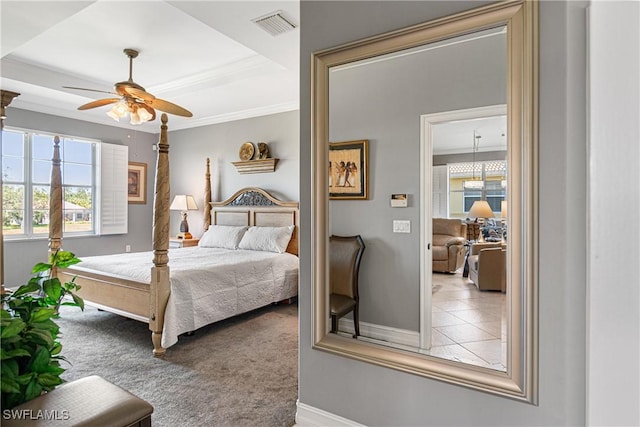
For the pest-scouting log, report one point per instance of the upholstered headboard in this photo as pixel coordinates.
(255, 207)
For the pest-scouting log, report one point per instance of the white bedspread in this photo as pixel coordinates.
(208, 284)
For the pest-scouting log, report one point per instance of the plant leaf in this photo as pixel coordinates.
(14, 328)
(52, 288)
(49, 380)
(8, 354)
(40, 336)
(48, 325)
(40, 267)
(34, 389)
(57, 347)
(40, 360)
(56, 370)
(79, 301)
(25, 289)
(41, 314)
(10, 368)
(68, 263)
(9, 385)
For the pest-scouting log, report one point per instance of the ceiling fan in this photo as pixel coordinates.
(133, 100)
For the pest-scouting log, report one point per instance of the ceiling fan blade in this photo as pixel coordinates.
(168, 107)
(91, 90)
(98, 103)
(138, 93)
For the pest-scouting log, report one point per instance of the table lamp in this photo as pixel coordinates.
(480, 210)
(184, 203)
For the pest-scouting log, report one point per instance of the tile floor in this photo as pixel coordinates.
(468, 325)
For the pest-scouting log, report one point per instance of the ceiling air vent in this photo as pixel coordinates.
(275, 23)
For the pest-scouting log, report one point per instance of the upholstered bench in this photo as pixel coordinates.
(87, 402)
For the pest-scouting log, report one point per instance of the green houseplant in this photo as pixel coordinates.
(30, 349)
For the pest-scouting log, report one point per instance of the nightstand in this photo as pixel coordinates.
(175, 243)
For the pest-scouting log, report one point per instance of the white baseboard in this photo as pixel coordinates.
(309, 416)
(382, 333)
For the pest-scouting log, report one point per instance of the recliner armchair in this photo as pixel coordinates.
(345, 254)
(488, 266)
(448, 244)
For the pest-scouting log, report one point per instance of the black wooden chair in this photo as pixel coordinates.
(345, 254)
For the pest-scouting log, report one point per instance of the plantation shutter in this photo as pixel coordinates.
(112, 188)
(440, 188)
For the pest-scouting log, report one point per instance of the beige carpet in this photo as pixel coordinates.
(238, 372)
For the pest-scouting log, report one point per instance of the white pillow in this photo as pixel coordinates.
(222, 236)
(269, 239)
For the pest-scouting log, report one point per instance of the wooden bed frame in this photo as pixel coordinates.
(147, 301)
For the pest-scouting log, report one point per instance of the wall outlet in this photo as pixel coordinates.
(401, 226)
(127, 248)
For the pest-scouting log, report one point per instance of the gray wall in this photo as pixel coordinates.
(377, 396)
(221, 143)
(20, 256)
(382, 101)
(188, 150)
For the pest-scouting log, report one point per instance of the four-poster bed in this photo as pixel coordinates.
(201, 284)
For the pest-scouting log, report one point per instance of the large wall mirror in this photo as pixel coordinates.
(437, 121)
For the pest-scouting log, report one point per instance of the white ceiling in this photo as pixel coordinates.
(206, 56)
(458, 136)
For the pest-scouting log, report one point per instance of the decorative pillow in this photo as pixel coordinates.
(222, 236)
(269, 239)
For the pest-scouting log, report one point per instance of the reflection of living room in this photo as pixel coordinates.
(468, 316)
(468, 310)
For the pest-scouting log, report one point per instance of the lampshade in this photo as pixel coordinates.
(474, 184)
(503, 209)
(480, 209)
(137, 114)
(183, 202)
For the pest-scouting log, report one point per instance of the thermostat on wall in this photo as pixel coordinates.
(398, 200)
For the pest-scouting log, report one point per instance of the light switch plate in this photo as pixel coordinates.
(401, 226)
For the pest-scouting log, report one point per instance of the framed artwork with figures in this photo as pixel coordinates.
(349, 170)
(137, 183)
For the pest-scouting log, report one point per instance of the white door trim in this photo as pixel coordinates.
(427, 121)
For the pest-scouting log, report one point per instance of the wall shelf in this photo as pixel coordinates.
(256, 166)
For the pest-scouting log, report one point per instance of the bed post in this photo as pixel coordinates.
(160, 285)
(55, 202)
(207, 197)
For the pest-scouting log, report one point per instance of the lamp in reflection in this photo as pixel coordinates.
(184, 203)
(474, 184)
(480, 210)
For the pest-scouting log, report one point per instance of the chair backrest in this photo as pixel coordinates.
(450, 227)
(345, 254)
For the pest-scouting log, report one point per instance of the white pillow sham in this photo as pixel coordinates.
(222, 236)
(268, 239)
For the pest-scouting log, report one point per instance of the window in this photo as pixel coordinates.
(26, 173)
(491, 177)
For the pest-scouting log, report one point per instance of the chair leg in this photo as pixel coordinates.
(334, 323)
(356, 321)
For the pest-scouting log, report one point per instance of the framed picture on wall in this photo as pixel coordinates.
(137, 183)
(349, 170)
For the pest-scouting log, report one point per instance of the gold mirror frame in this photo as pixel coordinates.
(521, 20)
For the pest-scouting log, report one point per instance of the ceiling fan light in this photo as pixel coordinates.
(111, 113)
(119, 110)
(144, 115)
(135, 118)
